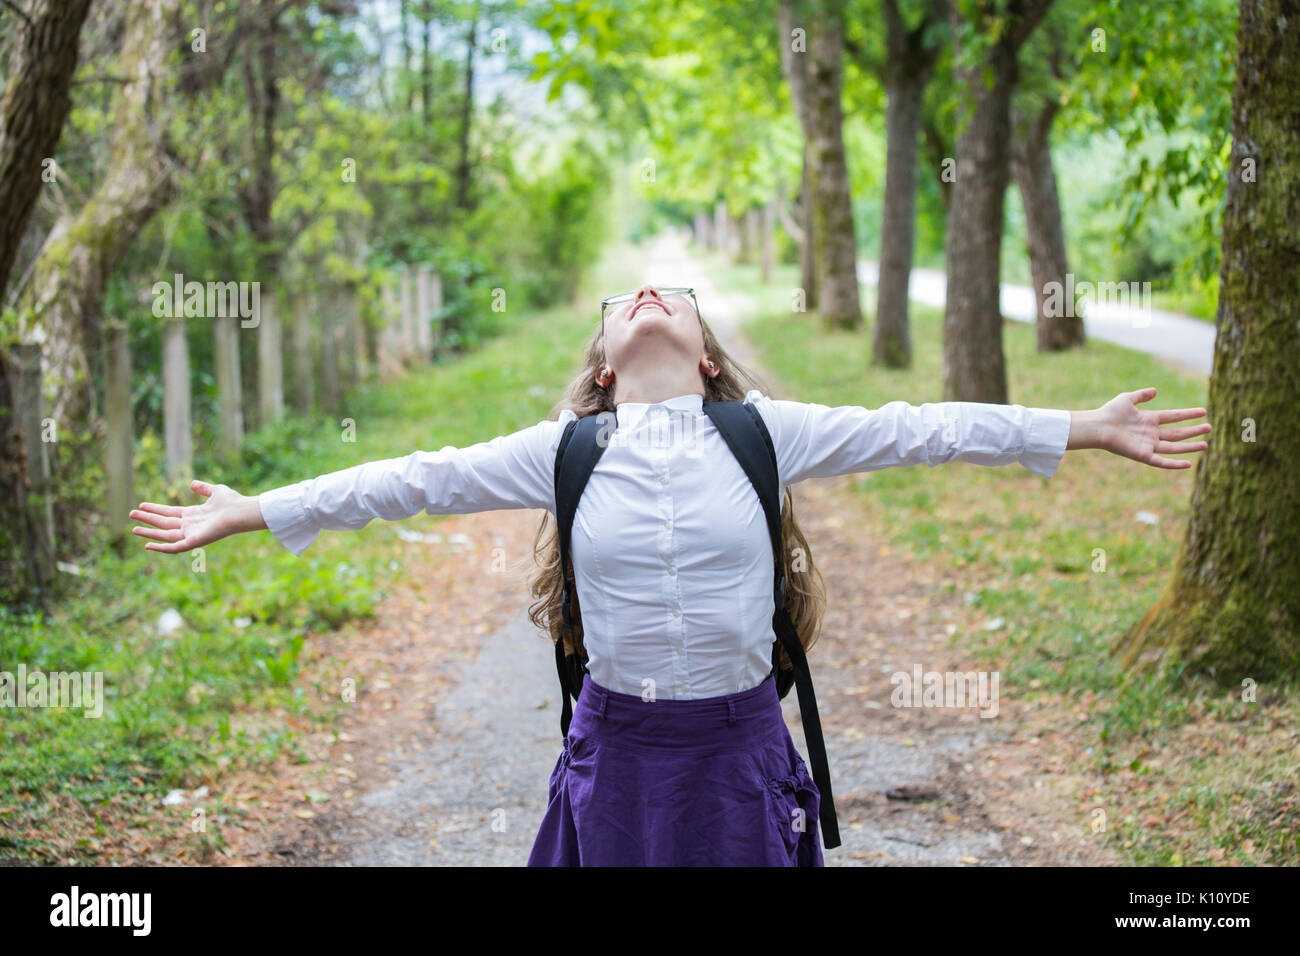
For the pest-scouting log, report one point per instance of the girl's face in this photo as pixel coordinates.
(671, 321)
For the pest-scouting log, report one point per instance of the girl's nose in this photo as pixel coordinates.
(645, 290)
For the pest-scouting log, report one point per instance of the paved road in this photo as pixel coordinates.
(1167, 335)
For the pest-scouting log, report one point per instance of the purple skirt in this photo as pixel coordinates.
(709, 782)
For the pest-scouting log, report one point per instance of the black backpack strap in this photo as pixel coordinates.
(742, 428)
(583, 442)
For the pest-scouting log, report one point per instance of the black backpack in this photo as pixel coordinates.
(742, 427)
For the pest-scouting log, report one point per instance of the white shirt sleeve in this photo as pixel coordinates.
(510, 471)
(819, 441)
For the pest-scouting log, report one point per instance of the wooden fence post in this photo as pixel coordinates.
(304, 371)
(25, 387)
(119, 458)
(409, 347)
(767, 230)
(270, 360)
(435, 308)
(230, 440)
(746, 229)
(178, 439)
(385, 351)
(349, 341)
(329, 360)
(423, 333)
(369, 335)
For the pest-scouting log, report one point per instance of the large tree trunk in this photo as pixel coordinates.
(893, 343)
(81, 253)
(937, 150)
(808, 230)
(32, 112)
(909, 62)
(262, 67)
(404, 17)
(1031, 166)
(467, 115)
(1232, 607)
(426, 64)
(35, 104)
(834, 241)
(792, 21)
(974, 369)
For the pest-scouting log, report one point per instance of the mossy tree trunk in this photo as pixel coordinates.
(812, 38)
(34, 106)
(1031, 167)
(1232, 606)
(64, 300)
(974, 368)
(834, 242)
(82, 250)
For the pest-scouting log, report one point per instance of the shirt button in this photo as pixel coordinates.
(671, 569)
(663, 479)
(667, 523)
(676, 613)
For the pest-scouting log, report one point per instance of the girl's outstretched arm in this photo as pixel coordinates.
(820, 441)
(510, 471)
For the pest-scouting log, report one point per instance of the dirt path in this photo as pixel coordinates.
(446, 757)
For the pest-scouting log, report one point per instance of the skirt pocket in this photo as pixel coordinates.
(795, 802)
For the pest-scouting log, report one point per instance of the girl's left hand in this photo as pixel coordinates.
(1126, 430)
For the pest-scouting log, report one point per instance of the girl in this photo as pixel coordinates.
(677, 752)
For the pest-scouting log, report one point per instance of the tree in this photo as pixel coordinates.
(82, 250)
(1033, 115)
(35, 105)
(795, 68)
(814, 29)
(909, 58)
(467, 113)
(1232, 605)
(32, 113)
(988, 35)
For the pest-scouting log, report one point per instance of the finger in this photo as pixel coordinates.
(158, 521)
(1172, 464)
(1142, 395)
(202, 487)
(1178, 434)
(159, 534)
(157, 509)
(1179, 448)
(1179, 415)
(168, 548)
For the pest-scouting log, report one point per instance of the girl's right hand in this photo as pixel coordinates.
(183, 528)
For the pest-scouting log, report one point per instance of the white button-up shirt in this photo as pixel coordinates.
(672, 559)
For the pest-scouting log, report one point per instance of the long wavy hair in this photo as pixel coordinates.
(805, 597)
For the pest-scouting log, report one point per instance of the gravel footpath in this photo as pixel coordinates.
(455, 773)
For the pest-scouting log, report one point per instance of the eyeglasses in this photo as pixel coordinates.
(663, 293)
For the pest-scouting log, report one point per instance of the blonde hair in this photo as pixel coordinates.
(805, 589)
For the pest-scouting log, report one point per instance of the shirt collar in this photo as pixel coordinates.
(629, 413)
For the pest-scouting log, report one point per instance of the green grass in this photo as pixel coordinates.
(216, 693)
(1028, 550)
